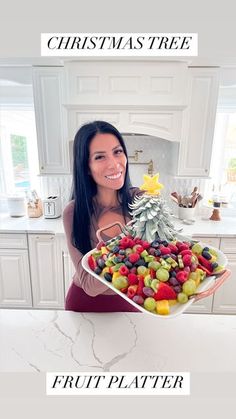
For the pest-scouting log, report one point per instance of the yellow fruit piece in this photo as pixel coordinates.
(105, 270)
(104, 250)
(116, 275)
(213, 259)
(172, 302)
(162, 307)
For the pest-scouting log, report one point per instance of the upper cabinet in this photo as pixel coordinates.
(198, 123)
(51, 120)
(165, 99)
(126, 83)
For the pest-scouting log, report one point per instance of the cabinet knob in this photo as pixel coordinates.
(206, 170)
(42, 167)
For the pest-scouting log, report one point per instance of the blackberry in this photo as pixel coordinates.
(101, 263)
(206, 255)
(115, 249)
(108, 277)
(214, 265)
(128, 264)
(140, 262)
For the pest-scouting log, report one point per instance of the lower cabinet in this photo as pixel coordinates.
(46, 269)
(15, 286)
(68, 267)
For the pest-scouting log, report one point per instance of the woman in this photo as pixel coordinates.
(101, 194)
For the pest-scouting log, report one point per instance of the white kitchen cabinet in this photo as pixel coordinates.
(225, 297)
(68, 267)
(110, 83)
(195, 148)
(51, 120)
(15, 286)
(46, 271)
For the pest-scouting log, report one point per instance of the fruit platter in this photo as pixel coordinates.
(150, 264)
(161, 278)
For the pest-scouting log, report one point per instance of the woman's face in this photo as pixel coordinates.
(107, 161)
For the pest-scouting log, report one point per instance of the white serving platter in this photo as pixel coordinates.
(208, 285)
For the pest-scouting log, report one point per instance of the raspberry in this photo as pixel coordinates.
(145, 245)
(131, 291)
(182, 276)
(124, 243)
(173, 248)
(165, 250)
(187, 260)
(132, 279)
(134, 257)
(186, 252)
(124, 270)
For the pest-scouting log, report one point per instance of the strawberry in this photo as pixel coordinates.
(152, 273)
(92, 262)
(164, 292)
(140, 285)
(205, 269)
(204, 262)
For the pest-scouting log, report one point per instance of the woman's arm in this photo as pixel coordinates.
(87, 282)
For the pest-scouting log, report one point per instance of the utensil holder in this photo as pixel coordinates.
(37, 211)
(186, 213)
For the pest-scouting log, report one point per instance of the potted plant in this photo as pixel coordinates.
(231, 171)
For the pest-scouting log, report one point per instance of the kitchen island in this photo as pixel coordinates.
(47, 340)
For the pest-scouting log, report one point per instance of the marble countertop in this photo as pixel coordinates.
(43, 340)
(205, 228)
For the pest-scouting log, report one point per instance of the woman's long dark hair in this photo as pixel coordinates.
(84, 188)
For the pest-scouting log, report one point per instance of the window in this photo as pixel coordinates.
(19, 167)
(223, 164)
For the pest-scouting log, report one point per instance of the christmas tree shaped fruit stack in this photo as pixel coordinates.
(150, 213)
(150, 264)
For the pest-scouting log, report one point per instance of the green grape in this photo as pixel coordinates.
(182, 298)
(162, 274)
(120, 282)
(154, 265)
(142, 270)
(149, 304)
(189, 287)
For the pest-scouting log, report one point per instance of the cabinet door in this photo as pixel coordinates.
(46, 271)
(199, 122)
(50, 120)
(15, 289)
(225, 297)
(68, 267)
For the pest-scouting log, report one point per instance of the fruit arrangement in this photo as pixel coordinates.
(154, 275)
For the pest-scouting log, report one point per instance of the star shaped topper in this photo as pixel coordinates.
(151, 184)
